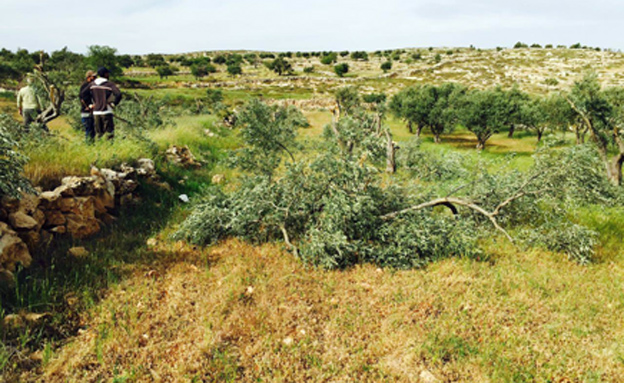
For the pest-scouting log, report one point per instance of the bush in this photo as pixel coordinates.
(386, 66)
(341, 69)
(220, 59)
(329, 58)
(234, 69)
(12, 180)
(359, 55)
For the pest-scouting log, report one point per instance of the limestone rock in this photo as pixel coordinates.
(12, 249)
(7, 279)
(218, 179)
(182, 155)
(84, 206)
(40, 217)
(78, 252)
(29, 203)
(58, 230)
(21, 221)
(31, 239)
(10, 204)
(80, 186)
(67, 204)
(81, 227)
(428, 377)
(146, 167)
(152, 242)
(50, 199)
(54, 218)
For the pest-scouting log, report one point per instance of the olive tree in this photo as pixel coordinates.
(405, 106)
(280, 65)
(268, 132)
(341, 69)
(602, 114)
(104, 56)
(484, 113)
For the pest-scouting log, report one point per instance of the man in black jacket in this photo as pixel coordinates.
(105, 96)
(86, 107)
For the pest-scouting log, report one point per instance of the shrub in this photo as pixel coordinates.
(341, 69)
(12, 180)
(234, 69)
(329, 58)
(386, 66)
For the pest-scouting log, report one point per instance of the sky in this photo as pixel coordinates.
(167, 26)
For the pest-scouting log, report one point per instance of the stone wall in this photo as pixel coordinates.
(78, 208)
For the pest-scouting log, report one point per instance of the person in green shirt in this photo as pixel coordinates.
(28, 103)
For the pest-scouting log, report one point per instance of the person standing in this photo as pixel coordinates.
(105, 97)
(28, 103)
(86, 107)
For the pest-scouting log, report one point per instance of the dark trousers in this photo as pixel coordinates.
(29, 116)
(89, 127)
(104, 126)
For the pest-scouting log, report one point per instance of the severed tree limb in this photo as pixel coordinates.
(55, 94)
(450, 202)
(287, 241)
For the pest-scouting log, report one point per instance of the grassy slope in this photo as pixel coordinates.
(240, 313)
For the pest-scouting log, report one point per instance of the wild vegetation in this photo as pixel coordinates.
(398, 215)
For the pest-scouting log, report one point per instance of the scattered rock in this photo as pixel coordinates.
(13, 321)
(152, 274)
(218, 179)
(146, 167)
(184, 198)
(428, 377)
(78, 252)
(152, 242)
(182, 155)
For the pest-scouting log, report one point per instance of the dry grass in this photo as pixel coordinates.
(243, 313)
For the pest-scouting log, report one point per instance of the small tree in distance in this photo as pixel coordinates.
(234, 69)
(280, 66)
(104, 56)
(341, 69)
(386, 66)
